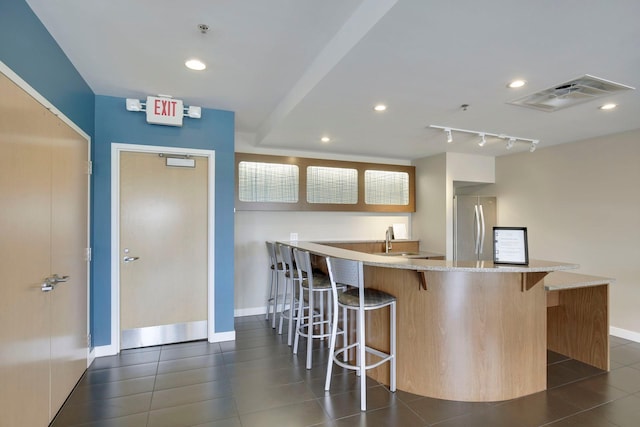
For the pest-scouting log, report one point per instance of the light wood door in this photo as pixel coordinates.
(25, 223)
(69, 203)
(163, 222)
(41, 224)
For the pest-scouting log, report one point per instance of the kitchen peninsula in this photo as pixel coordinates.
(475, 331)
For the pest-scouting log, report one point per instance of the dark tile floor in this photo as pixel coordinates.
(256, 381)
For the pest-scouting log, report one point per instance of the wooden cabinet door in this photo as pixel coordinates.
(69, 189)
(43, 229)
(25, 227)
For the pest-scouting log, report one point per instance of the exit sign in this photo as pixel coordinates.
(164, 111)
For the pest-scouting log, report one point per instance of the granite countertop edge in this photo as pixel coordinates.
(407, 263)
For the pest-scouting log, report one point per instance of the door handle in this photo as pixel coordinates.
(55, 279)
(50, 282)
(481, 246)
(46, 286)
(128, 259)
(476, 234)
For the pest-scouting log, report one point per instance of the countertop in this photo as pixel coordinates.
(560, 280)
(429, 264)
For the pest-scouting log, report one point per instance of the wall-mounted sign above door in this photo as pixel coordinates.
(164, 110)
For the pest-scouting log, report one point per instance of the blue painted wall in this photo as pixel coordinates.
(29, 50)
(214, 131)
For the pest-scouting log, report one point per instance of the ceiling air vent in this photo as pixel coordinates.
(574, 92)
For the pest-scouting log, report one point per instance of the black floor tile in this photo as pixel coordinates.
(193, 413)
(347, 404)
(126, 359)
(438, 410)
(98, 410)
(553, 357)
(135, 420)
(260, 399)
(97, 376)
(303, 414)
(588, 393)
(85, 393)
(396, 415)
(188, 363)
(190, 394)
(257, 381)
(190, 377)
(624, 412)
(583, 419)
(625, 355)
(202, 349)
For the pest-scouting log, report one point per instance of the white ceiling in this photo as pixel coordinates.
(296, 70)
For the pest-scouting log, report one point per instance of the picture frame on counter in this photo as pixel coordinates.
(510, 245)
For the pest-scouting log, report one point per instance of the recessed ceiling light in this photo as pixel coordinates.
(609, 106)
(380, 107)
(195, 64)
(325, 139)
(516, 84)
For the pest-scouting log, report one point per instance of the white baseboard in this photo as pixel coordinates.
(223, 336)
(241, 312)
(624, 333)
(105, 350)
(91, 357)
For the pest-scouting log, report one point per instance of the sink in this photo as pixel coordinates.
(398, 253)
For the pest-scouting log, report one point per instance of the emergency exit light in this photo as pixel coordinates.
(164, 110)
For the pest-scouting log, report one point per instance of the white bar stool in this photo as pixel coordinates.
(360, 299)
(291, 277)
(315, 286)
(276, 268)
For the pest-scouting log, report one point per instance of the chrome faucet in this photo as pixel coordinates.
(387, 240)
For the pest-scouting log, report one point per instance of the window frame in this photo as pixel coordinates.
(303, 205)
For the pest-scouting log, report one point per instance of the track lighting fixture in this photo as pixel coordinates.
(449, 135)
(482, 141)
(511, 140)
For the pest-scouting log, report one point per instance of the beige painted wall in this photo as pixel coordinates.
(429, 220)
(581, 204)
(436, 180)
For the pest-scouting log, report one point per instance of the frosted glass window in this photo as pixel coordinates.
(332, 185)
(386, 188)
(268, 182)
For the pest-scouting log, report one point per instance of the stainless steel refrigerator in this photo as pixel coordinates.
(473, 221)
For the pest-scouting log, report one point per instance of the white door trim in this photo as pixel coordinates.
(116, 149)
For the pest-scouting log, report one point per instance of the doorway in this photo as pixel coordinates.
(162, 245)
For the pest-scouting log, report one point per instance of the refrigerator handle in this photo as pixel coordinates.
(481, 246)
(476, 231)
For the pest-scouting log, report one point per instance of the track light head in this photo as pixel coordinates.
(483, 140)
(534, 143)
(449, 135)
(510, 143)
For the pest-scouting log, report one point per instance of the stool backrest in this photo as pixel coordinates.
(273, 257)
(345, 272)
(285, 253)
(303, 261)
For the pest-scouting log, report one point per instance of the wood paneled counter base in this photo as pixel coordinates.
(478, 332)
